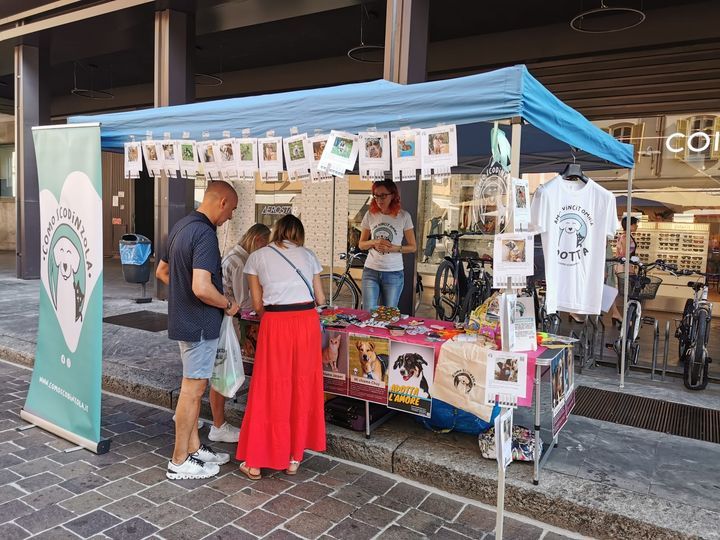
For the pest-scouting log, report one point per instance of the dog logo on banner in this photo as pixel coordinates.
(68, 251)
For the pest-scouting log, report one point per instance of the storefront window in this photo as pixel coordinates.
(7, 171)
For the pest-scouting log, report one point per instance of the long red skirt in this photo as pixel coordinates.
(285, 409)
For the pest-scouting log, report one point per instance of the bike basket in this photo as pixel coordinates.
(648, 291)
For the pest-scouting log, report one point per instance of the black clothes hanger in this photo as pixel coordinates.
(573, 171)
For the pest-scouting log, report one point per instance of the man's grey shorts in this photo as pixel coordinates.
(198, 358)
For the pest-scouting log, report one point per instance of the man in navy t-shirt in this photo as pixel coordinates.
(192, 269)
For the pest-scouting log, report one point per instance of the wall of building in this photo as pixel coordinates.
(7, 224)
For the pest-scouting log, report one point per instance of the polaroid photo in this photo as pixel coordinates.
(405, 145)
(152, 152)
(298, 156)
(208, 158)
(188, 161)
(270, 158)
(374, 155)
(170, 157)
(246, 158)
(340, 153)
(225, 151)
(513, 256)
(133, 160)
(506, 374)
(317, 145)
(520, 193)
(438, 151)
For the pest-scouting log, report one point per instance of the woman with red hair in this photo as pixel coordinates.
(383, 229)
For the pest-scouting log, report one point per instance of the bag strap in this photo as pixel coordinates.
(299, 273)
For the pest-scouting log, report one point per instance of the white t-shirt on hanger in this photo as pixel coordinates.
(575, 220)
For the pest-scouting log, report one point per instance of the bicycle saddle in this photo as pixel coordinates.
(696, 285)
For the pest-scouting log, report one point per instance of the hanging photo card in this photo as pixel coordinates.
(335, 362)
(246, 158)
(508, 302)
(505, 378)
(340, 153)
(525, 336)
(557, 379)
(171, 160)
(405, 154)
(317, 146)
(152, 152)
(298, 156)
(270, 158)
(374, 155)
(503, 437)
(133, 160)
(368, 368)
(411, 378)
(225, 151)
(520, 193)
(513, 257)
(187, 153)
(438, 151)
(206, 152)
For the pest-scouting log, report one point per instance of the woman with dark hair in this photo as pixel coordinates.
(284, 414)
(384, 227)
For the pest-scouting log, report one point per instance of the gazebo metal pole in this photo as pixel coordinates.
(623, 330)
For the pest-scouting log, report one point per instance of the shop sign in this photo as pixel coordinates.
(696, 142)
(277, 210)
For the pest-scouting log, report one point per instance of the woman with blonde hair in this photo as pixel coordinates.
(284, 414)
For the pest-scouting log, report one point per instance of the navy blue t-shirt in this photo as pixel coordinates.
(192, 243)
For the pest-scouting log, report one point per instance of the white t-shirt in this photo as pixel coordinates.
(280, 282)
(392, 229)
(575, 219)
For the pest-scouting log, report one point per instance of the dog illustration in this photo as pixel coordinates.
(373, 365)
(330, 354)
(506, 371)
(410, 367)
(67, 294)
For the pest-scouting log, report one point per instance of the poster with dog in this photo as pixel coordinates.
(569, 381)
(410, 378)
(557, 376)
(248, 342)
(335, 362)
(368, 368)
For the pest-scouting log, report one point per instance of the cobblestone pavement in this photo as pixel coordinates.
(48, 493)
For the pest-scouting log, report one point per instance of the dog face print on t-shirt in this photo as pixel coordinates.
(573, 223)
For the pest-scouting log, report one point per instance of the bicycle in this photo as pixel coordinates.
(641, 287)
(457, 294)
(693, 333)
(346, 291)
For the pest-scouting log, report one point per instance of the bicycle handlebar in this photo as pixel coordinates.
(452, 234)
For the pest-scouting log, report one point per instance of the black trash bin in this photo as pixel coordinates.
(135, 250)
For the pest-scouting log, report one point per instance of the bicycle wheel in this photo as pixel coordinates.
(447, 292)
(345, 292)
(683, 337)
(695, 372)
(473, 298)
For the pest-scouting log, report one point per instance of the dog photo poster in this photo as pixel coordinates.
(248, 342)
(557, 375)
(368, 366)
(505, 377)
(410, 378)
(335, 363)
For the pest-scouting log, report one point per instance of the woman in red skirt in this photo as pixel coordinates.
(284, 414)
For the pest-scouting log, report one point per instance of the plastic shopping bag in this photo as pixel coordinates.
(228, 374)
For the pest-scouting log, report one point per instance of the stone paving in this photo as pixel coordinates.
(48, 493)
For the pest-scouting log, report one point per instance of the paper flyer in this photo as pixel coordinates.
(525, 336)
(411, 378)
(438, 151)
(508, 303)
(171, 160)
(247, 158)
(513, 257)
(405, 154)
(317, 145)
(503, 437)
(270, 158)
(335, 362)
(374, 155)
(520, 204)
(152, 152)
(188, 159)
(368, 367)
(206, 152)
(133, 161)
(225, 151)
(340, 153)
(298, 156)
(505, 377)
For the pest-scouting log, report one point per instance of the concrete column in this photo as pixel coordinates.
(174, 85)
(406, 33)
(31, 109)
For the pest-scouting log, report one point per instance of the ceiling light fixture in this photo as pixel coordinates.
(367, 54)
(607, 19)
(89, 93)
(204, 79)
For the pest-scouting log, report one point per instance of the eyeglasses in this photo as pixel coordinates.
(381, 196)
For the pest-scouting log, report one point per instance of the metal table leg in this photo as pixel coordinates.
(536, 449)
(656, 337)
(666, 350)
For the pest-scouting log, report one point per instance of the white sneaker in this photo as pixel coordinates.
(208, 455)
(225, 433)
(200, 422)
(191, 468)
